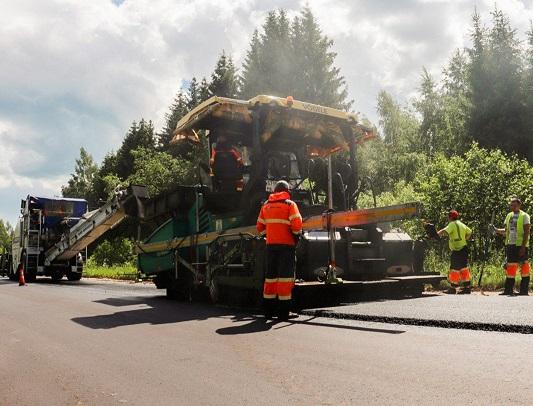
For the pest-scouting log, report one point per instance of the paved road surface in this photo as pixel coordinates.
(118, 344)
(489, 312)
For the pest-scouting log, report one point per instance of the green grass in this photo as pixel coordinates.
(122, 272)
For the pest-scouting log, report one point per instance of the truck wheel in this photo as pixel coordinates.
(56, 276)
(13, 276)
(73, 276)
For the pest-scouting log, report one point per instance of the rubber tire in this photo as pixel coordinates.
(56, 276)
(13, 276)
(73, 276)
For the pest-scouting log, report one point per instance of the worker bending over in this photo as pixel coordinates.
(458, 235)
(517, 231)
(280, 219)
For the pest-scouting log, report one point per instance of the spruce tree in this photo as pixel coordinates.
(293, 58)
(498, 113)
(223, 79)
(80, 184)
(204, 89)
(177, 110)
(140, 135)
(193, 94)
(250, 80)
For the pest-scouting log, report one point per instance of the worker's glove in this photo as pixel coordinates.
(492, 230)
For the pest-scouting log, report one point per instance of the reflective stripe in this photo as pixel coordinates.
(294, 216)
(263, 232)
(289, 297)
(526, 269)
(511, 269)
(277, 221)
(465, 275)
(271, 280)
(269, 296)
(285, 279)
(297, 232)
(260, 220)
(454, 276)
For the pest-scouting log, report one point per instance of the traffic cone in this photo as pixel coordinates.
(22, 282)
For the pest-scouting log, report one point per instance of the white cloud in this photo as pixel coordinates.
(76, 73)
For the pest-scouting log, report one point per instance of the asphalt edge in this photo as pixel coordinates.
(451, 324)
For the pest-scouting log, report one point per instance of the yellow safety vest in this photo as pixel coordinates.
(457, 232)
(519, 228)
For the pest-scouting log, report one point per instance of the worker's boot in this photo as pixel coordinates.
(508, 288)
(452, 290)
(283, 310)
(269, 306)
(524, 286)
(466, 289)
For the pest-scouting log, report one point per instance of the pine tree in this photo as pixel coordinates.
(139, 136)
(528, 92)
(204, 90)
(293, 58)
(250, 80)
(498, 112)
(224, 78)
(314, 63)
(177, 110)
(456, 79)
(80, 184)
(193, 94)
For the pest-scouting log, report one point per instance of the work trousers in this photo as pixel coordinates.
(279, 277)
(459, 271)
(516, 262)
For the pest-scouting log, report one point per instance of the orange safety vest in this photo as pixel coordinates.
(234, 153)
(280, 219)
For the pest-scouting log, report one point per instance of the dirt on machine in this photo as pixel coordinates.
(203, 238)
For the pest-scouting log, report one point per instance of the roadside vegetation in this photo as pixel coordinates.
(127, 271)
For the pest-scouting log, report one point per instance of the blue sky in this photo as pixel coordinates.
(76, 73)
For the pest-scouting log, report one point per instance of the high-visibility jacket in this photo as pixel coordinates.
(519, 228)
(280, 219)
(231, 151)
(457, 233)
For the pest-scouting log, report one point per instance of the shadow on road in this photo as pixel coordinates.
(159, 311)
(259, 324)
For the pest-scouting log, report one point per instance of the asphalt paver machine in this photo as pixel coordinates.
(205, 239)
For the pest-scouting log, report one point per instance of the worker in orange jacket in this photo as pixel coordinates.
(226, 166)
(280, 219)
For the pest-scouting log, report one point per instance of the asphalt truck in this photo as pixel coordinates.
(52, 233)
(203, 237)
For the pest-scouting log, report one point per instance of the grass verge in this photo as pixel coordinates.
(122, 272)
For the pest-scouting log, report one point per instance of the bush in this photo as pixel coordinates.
(477, 184)
(116, 252)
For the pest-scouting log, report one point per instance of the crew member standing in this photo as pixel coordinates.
(280, 219)
(458, 235)
(517, 231)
